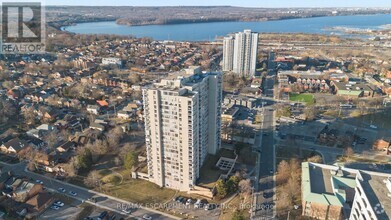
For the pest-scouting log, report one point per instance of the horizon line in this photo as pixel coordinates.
(296, 7)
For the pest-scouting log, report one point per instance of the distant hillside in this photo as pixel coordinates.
(68, 15)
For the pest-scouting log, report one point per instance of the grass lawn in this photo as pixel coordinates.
(209, 173)
(247, 156)
(305, 97)
(139, 191)
(377, 119)
(78, 180)
(235, 205)
(286, 153)
(87, 210)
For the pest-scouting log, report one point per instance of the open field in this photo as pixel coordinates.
(236, 205)
(138, 191)
(305, 97)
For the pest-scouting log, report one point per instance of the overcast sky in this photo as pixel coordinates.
(245, 3)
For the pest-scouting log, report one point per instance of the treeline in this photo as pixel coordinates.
(128, 15)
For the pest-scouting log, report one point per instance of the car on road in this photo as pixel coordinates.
(59, 204)
(147, 217)
(39, 181)
(61, 190)
(54, 207)
(72, 193)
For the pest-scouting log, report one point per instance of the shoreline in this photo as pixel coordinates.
(332, 30)
(62, 27)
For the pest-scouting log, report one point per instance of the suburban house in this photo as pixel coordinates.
(39, 202)
(97, 126)
(94, 109)
(22, 197)
(123, 114)
(65, 147)
(14, 146)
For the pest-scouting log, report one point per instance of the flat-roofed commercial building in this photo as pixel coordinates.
(332, 192)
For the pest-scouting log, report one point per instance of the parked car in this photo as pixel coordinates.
(113, 217)
(208, 207)
(61, 190)
(147, 217)
(197, 204)
(72, 193)
(102, 215)
(39, 181)
(179, 199)
(189, 201)
(59, 203)
(54, 207)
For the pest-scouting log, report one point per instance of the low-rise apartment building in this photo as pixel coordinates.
(333, 192)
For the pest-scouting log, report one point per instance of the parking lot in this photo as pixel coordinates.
(65, 212)
(194, 209)
(69, 210)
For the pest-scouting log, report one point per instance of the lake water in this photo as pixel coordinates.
(209, 31)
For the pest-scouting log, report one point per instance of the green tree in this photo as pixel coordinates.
(238, 215)
(232, 184)
(84, 159)
(130, 160)
(222, 189)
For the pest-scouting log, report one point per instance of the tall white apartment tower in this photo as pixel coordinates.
(228, 51)
(243, 55)
(182, 125)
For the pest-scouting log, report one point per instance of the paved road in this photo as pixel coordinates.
(103, 201)
(264, 206)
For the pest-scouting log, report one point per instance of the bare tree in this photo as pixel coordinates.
(93, 179)
(29, 115)
(71, 167)
(245, 188)
(348, 152)
(51, 139)
(315, 159)
(310, 113)
(114, 137)
(283, 172)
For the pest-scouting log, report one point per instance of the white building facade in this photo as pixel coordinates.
(182, 124)
(240, 53)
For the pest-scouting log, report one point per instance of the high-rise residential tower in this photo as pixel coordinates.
(182, 124)
(240, 53)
